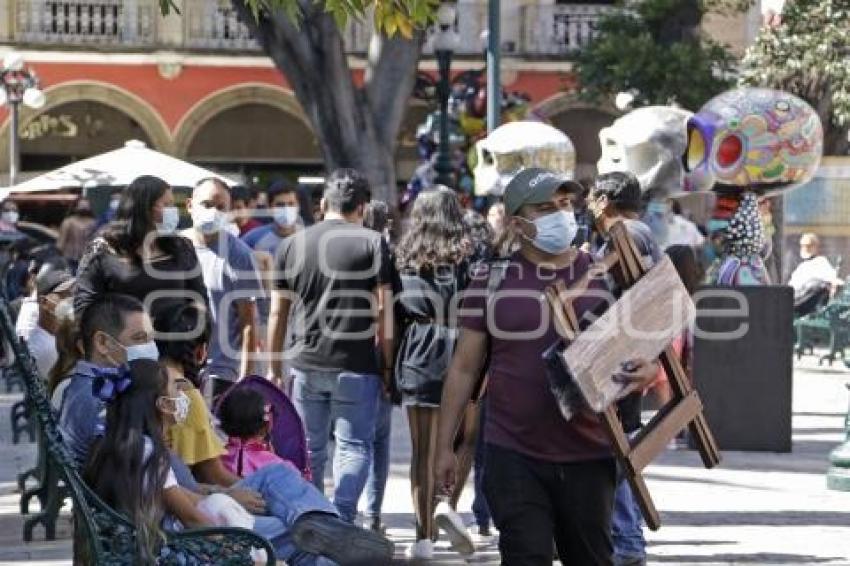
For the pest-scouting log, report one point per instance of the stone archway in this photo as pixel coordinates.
(581, 121)
(244, 96)
(63, 94)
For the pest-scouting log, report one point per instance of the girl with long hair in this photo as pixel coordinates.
(433, 262)
(140, 255)
(185, 334)
(129, 467)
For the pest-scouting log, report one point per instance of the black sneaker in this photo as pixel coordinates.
(377, 526)
(342, 542)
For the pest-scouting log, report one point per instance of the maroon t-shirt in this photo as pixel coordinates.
(522, 414)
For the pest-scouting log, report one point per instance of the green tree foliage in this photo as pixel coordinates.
(809, 55)
(656, 49)
(390, 16)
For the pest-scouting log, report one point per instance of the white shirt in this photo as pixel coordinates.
(27, 316)
(683, 232)
(817, 268)
(42, 346)
(170, 478)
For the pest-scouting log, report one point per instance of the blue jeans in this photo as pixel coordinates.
(626, 524)
(287, 496)
(479, 504)
(379, 471)
(348, 402)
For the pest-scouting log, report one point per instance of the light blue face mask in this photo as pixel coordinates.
(555, 232)
(146, 351)
(170, 220)
(285, 215)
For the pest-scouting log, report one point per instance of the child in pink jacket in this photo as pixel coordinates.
(246, 419)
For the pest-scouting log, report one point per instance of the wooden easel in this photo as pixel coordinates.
(683, 410)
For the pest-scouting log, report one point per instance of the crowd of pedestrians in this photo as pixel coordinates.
(146, 335)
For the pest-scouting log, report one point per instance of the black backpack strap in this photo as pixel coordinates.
(498, 268)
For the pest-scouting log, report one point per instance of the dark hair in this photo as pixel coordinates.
(345, 190)
(685, 261)
(622, 189)
(193, 321)
(280, 187)
(242, 413)
(480, 232)
(107, 314)
(241, 192)
(376, 215)
(675, 207)
(117, 470)
(134, 220)
(68, 347)
(437, 234)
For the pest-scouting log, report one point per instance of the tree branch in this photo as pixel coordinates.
(313, 60)
(390, 76)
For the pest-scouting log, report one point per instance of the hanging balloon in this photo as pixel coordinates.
(758, 139)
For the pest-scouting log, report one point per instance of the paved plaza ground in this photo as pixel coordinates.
(756, 508)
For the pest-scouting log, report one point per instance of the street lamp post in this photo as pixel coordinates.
(445, 40)
(18, 84)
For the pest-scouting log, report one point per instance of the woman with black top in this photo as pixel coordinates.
(140, 255)
(433, 263)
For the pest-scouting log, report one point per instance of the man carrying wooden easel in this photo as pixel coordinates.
(546, 478)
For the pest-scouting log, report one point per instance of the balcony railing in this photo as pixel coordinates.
(559, 30)
(86, 22)
(211, 24)
(544, 31)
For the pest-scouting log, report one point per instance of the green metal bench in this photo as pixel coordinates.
(829, 327)
(106, 537)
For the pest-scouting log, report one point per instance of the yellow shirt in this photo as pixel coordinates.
(195, 440)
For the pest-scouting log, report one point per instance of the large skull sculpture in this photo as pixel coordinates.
(649, 142)
(753, 139)
(515, 146)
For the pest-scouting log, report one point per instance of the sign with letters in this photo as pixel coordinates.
(61, 126)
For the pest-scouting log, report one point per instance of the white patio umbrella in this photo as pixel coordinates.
(117, 168)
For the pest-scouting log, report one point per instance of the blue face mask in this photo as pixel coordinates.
(555, 232)
(170, 220)
(285, 215)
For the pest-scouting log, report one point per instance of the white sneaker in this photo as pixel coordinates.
(449, 521)
(420, 550)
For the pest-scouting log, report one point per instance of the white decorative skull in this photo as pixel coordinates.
(515, 146)
(649, 142)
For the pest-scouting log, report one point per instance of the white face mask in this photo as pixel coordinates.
(555, 232)
(146, 351)
(64, 309)
(285, 215)
(170, 220)
(182, 403)
(207, 221)
(10, 216)
(232, 228)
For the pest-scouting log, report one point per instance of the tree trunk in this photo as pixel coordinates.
(356, 126)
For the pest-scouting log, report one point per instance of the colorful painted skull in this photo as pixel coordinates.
(515, 146)
(753, 139)
(649, 142)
